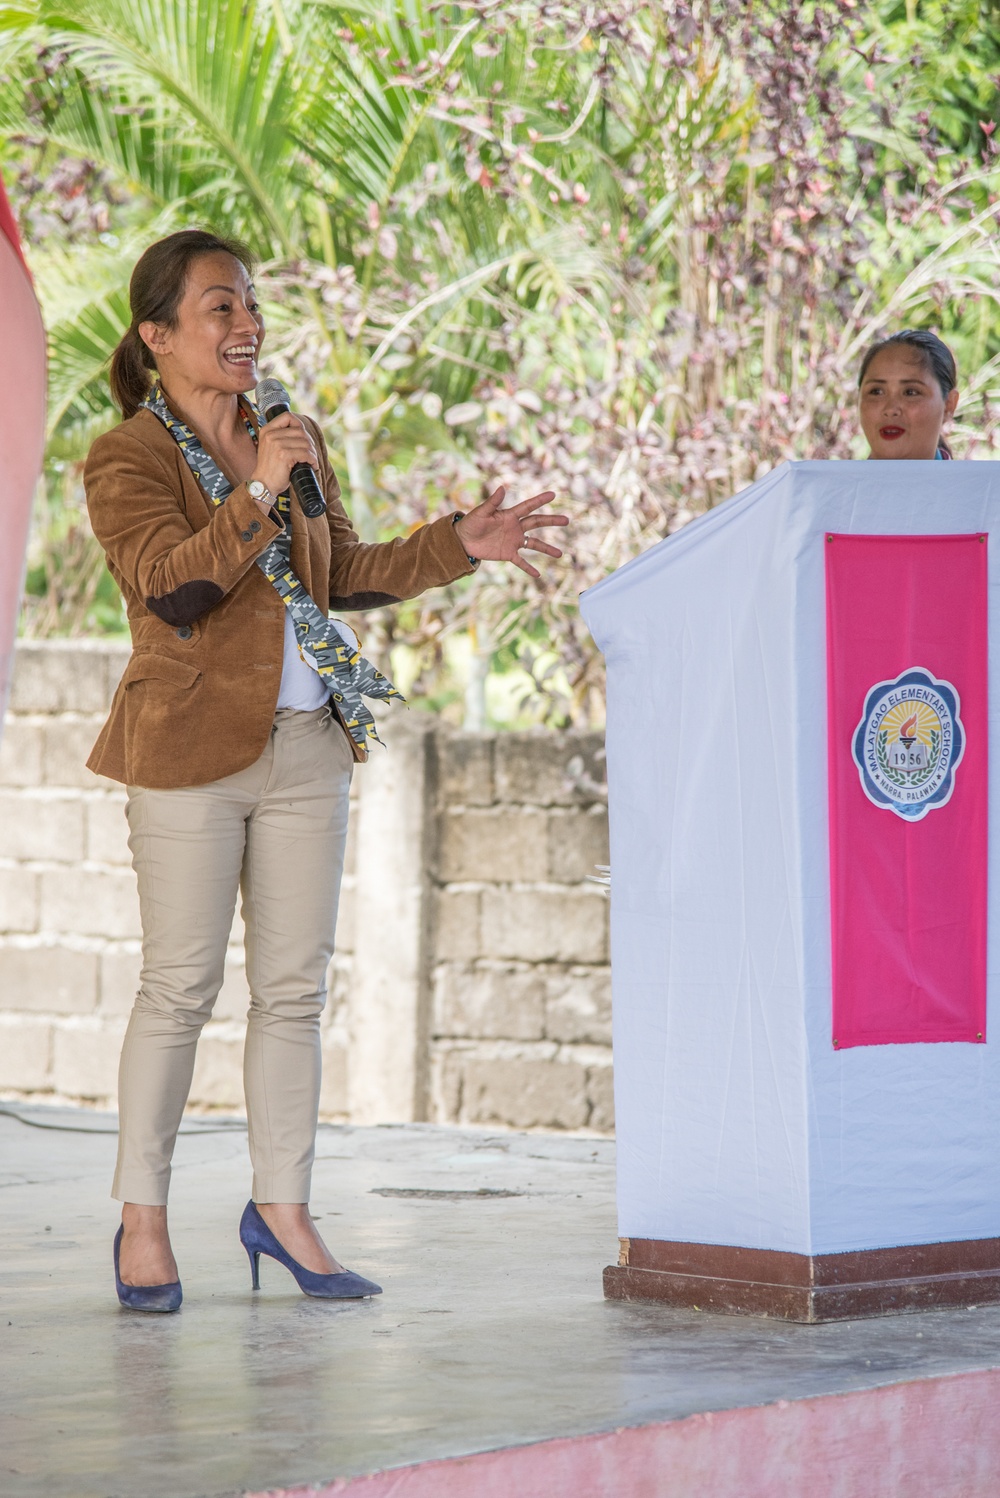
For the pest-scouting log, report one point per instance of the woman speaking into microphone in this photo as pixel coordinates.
(236, 727)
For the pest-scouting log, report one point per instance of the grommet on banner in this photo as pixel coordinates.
(829, 538)
(979, 1034)
(836, 1044)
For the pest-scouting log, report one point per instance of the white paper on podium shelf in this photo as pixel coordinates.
(737, 1121)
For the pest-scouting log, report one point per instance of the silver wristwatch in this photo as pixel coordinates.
(259, 491)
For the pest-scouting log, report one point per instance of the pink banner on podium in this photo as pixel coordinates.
(907, 645)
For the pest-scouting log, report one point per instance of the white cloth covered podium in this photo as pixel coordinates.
(762, 1168)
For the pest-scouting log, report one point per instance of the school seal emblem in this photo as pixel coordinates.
(909, 743)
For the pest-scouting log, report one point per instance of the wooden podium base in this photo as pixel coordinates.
(800, 1287)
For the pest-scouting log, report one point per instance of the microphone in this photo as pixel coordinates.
(273, 400)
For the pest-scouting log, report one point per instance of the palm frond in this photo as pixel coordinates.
(188, 100)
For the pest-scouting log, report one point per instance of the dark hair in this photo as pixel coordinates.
(937, 356)
(154, 293)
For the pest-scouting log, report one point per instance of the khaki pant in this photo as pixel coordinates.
(276, 831)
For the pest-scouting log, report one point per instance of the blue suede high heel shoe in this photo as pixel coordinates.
(257, 1239)
(146, 1297)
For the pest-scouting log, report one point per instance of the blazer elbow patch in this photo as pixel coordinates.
(363, 601)
(187, 603)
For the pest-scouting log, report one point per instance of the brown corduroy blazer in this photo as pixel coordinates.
(197, 698)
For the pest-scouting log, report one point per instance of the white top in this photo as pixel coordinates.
(302, 688)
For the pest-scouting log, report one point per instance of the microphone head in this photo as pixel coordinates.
(269, 394)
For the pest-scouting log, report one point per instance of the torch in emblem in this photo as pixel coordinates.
(907, 753)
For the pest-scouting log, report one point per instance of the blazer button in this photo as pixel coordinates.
(255, 526)
(246, 535)
(185, 632)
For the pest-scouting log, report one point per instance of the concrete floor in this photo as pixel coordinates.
(491, 1332)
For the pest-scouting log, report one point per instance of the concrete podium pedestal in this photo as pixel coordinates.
(806, 1287)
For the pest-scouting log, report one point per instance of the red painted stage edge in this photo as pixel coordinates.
(932, 1438)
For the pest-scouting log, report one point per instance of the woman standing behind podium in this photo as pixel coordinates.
(236, 727)
(907, 394)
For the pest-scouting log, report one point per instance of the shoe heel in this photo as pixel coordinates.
(257, 1239)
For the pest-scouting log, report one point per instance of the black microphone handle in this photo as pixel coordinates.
(307, 491)
(304, 483)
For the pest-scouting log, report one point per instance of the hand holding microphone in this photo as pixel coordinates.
(286, 454)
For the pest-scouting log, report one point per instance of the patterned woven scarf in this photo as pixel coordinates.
(344, 670)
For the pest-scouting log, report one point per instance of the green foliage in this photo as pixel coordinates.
(951, 51)
(632, 254)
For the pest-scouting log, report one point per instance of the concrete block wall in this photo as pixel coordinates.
(520, 1031)
(490, 1003)
(68, 912)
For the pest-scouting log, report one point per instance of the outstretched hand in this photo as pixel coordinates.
(497, 535)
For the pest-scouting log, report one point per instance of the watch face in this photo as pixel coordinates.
(257, 489)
